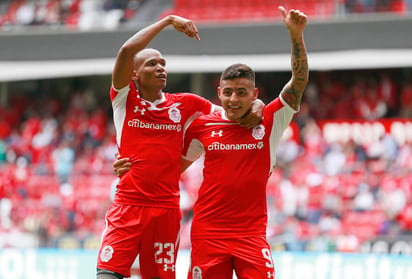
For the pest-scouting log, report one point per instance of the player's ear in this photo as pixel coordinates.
(134, 75)
(255, 93)
(218, 91)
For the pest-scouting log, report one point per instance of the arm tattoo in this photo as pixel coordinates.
(292, 92)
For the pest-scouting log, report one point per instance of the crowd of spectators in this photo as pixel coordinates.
(56, 177)
(72, 14)
(110, 14)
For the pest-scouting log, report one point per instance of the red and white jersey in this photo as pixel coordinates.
(150, 134)
(238, 163)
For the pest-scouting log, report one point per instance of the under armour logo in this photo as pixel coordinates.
(219, 133)
(166, 267)
(271, 274)
(136, 110)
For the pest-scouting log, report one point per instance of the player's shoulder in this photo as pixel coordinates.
(209, 118)
(183, 96)
(277, 104)
(274, 105)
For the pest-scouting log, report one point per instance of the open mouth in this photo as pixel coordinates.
(233, 107)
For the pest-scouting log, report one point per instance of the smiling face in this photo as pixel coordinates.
(237, 91)
(150, 70)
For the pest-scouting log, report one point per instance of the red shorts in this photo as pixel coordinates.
(217, 258)
(150, 232)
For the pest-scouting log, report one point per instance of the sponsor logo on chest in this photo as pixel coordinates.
(257, 133)
(173, 114)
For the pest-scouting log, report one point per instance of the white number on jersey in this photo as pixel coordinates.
(267, 255)
(169, 248)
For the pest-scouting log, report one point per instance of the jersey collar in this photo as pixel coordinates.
(223, 114)
(156, 102)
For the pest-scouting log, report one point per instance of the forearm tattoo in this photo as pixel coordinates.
(292, 92)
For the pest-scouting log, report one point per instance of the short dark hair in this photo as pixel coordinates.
(238, 70)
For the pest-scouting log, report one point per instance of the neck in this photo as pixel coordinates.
(150, 95)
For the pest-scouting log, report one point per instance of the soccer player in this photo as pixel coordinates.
(144, 218)
(228, 230)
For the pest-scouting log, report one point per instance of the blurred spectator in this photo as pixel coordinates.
(316, 192)
(115, 4)
(21, 174)
(43, 138)
(392, 197)
(406, 99)
(329, 223)
(347, 242)
(3, 150)
(5, 210)
(403, 162)
(25, 14)
(5, 127)
(364, 200)
(357, 91)
(371, 106)
(63, 160)
(332, 203)
(334, 160)
(313, 143)
(288, 196)
(405, 218)
(387, 92)
(287, 152)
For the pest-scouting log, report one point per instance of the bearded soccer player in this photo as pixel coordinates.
(144, 218)
(229, 220)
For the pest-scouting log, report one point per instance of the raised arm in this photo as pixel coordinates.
(292, 92)
(124, 65)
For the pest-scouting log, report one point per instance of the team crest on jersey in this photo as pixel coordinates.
(196, 273)
(107, 253)
(258, 132)
(174, 114)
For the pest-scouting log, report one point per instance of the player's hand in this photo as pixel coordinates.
(254, 115)
(186, 26)
(294, 20)
(121, 165)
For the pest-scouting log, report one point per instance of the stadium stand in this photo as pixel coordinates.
(109, 14)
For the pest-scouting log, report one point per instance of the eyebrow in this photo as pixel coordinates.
(237, 88)
(156, 60)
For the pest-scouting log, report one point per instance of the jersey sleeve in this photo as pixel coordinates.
(278, 114)
(192, 147)
(119, 93)
(199, 104)
(119, 100)
(284, 113)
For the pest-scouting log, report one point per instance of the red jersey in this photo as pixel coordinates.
(150, 134)
(238, 163)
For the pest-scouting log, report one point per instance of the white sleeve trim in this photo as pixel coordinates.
(212, 109)
(119, 111)
(281, 120)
